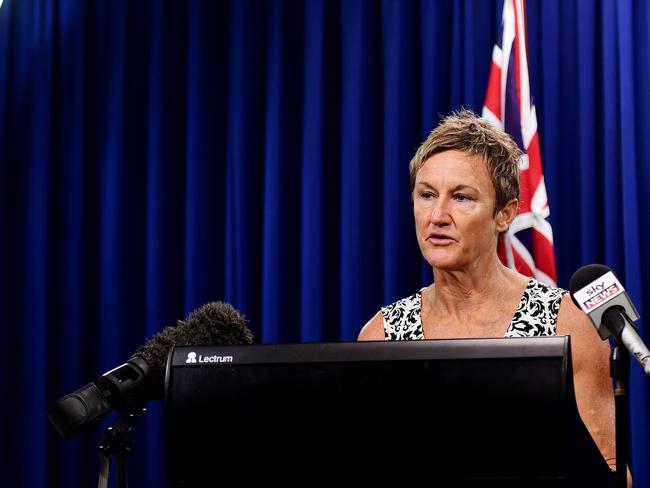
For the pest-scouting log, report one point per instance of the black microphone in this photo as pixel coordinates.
(596, 290)
(142, 377)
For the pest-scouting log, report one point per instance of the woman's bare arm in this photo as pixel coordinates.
(591, 378)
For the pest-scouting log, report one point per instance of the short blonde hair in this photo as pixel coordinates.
(465, 131)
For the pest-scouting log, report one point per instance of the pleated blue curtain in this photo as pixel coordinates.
(590, 79)
(158, 155)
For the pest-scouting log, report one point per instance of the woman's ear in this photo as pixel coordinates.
(506, 215)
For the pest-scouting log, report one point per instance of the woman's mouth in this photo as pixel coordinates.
(440, 239)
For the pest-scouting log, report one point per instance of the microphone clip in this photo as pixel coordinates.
(124, 385)
(614, 319)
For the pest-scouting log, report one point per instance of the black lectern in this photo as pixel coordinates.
(468, 412)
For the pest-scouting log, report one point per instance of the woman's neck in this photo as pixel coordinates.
(463, 292)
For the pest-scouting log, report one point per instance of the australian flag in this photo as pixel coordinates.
(528, 244)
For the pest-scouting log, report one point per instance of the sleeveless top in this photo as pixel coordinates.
(535, 316)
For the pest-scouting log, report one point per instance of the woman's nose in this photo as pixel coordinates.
(440, 213)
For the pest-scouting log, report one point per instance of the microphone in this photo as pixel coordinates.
(142, 377)
(596, 290)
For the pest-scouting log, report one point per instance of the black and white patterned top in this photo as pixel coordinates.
(535, 316)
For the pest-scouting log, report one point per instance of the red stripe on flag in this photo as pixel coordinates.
(520, 264)
(543, 253)
(534, 162)
(525, 194)
(493, 95)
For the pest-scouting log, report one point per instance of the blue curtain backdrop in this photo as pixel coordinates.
(158, 155)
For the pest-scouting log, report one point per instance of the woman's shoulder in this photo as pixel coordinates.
(544, 290)
(574, 322)
(374, 329)
(410, 302)
(403, 319)
(394, 314)
(538, 311)
(542, 294)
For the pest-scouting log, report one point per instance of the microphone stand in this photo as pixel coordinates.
(620, 372)
(118, 440)
(619, 368)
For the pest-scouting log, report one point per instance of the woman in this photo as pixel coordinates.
(465, 190)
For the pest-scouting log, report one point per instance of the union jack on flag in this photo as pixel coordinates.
(528, 244)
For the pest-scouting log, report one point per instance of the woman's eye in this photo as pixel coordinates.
(427, 195)
(461, 198)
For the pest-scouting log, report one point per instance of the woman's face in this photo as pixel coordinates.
(453, 203)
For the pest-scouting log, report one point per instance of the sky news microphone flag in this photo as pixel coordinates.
(528, 244)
